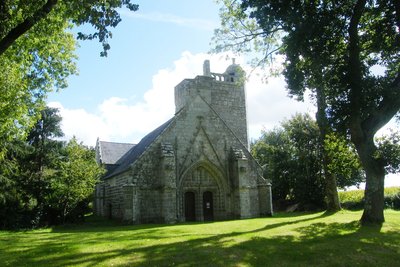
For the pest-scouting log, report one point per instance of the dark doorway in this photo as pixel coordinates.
(208, 209)
(190, 207)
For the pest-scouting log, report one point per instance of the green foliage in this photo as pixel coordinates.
(18, 17)
(36, 57)
(344, 162)
(354, 199)
(389, 150)
(295, 239)
(241, 33)
(46, 181)
(36, 64)
(290, 156)
(37, 54)
(331, 49)
(74, 179)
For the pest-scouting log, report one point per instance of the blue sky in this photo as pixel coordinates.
(126, 95)
(129, 93)
(143, 43)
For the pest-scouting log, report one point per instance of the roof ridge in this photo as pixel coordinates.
(111, 142)
(136, 151)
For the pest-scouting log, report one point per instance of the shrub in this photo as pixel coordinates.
(354, 199)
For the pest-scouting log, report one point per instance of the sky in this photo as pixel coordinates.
(126, 95)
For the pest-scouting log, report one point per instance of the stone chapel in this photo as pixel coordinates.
(194, 167)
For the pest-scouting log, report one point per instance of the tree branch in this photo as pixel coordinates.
(26, 25)
(389, 106)
(354, 72)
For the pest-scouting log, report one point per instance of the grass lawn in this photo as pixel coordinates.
(297, 239)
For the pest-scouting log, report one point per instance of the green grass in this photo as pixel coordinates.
(298, 239)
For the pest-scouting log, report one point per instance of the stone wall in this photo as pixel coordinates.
(203, 152)
(228, 99)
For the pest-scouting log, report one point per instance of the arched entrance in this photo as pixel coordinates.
(208, 206)
(190, 206)
(202, 192)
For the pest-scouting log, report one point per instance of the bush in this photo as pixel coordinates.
(354, 199)
(392, 201)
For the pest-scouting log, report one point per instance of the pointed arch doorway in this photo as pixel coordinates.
(202, 193)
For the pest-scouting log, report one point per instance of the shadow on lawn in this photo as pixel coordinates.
(318, 244)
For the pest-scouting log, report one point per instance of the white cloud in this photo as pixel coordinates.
(269, 104)
(195, 23)
(122, 120)
(81, 124)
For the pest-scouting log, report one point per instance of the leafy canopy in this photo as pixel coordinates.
(333, 47)
(19, 16)
(38, 63)
(291, 156)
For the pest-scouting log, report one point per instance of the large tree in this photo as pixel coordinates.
(18, 17)
(45, 151)
(38, 62)
(292, 158)
(334, 46)
(45, 180)
(74, 179)
(243, 34)
(37, 54)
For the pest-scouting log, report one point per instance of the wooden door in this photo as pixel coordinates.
(208, 207)
(190, 207)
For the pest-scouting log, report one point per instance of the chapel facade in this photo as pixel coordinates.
(195, 167)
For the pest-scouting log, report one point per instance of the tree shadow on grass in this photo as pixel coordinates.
(316, 244)
(99, 224)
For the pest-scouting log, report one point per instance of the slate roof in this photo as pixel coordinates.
(111, 152)
(135, 152)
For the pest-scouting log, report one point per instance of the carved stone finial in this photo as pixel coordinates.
(206, 68)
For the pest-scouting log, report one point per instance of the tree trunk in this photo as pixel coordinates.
(363, 129)
(332, 196)
(374, 188)
(26, 25)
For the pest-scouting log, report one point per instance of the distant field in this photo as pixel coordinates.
(297, 239)
(358, 195)
(353, 199)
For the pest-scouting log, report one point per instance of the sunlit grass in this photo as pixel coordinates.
(298, 239)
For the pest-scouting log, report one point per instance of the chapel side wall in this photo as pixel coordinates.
(114, 199)
(148, 174)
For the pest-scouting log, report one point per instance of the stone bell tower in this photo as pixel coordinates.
(224, 93)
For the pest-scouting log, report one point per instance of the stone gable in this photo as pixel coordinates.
(196, 166)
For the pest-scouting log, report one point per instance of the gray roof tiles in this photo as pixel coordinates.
(111, 152)
(136, 151)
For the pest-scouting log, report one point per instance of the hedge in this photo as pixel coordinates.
(354, 199)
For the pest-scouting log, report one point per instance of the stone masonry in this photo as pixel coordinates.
(195, 167)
